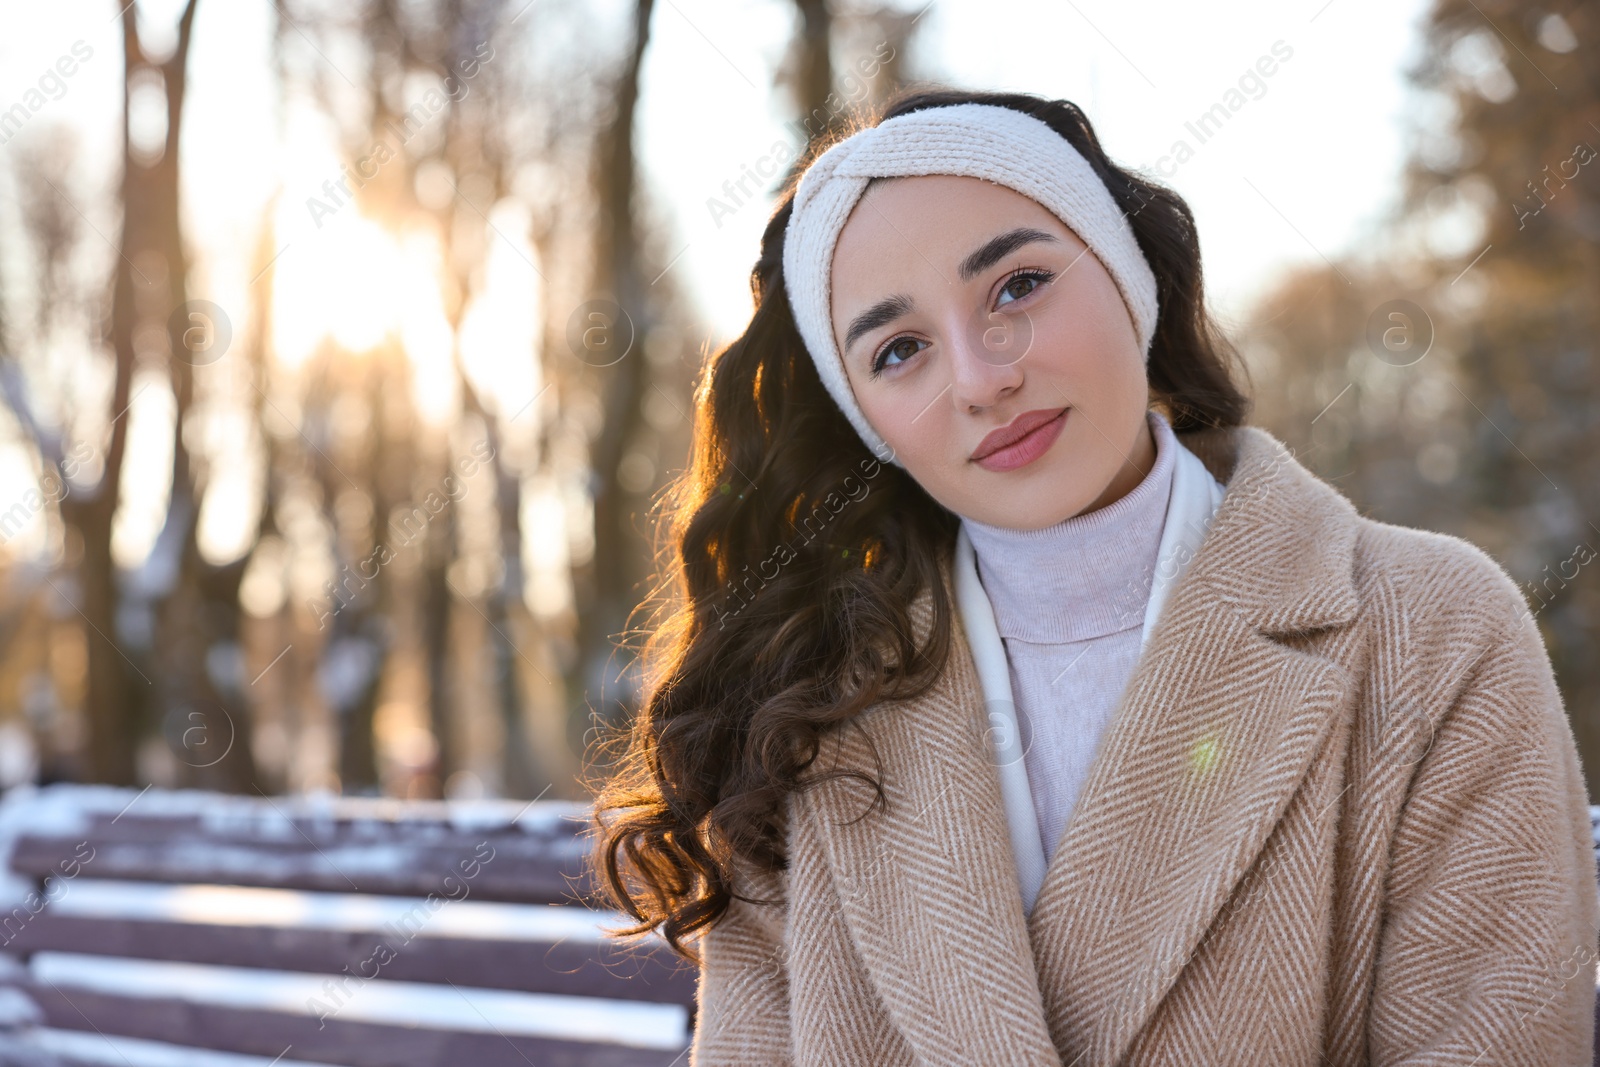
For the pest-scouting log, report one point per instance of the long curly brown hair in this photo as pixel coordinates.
(791, 556)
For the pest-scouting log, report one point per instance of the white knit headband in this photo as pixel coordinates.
(999, 144)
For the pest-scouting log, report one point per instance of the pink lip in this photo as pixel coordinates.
(1021, 441)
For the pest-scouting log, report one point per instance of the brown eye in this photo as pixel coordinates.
(1022, 285)
(1017, 288)
(901, 348)
(904, 348)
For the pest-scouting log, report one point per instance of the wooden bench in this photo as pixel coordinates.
(214, 931)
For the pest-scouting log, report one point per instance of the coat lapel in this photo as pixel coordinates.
(1217, 728)
(927, 885)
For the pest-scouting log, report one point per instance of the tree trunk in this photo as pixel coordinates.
(612, 577)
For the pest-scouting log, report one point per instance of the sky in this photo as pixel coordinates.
(1305, 167)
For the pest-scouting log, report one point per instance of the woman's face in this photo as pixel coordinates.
(969, 315)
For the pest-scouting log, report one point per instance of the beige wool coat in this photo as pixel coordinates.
(1338, 818)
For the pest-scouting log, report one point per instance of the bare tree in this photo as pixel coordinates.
(149, 298)
(609, 585)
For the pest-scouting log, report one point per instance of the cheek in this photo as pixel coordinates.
(914, 417)
(1094, 354)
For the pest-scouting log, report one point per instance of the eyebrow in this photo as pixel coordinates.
(880, 314)
(998, 248)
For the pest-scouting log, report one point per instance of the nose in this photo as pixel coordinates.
(985, 362)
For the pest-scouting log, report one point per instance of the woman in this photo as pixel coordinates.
(1022, 706)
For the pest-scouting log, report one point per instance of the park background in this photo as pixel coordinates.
(345, 346)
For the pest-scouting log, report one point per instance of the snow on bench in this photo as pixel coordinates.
(188, 928)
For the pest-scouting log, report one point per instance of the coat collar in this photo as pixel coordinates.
(1218, 725)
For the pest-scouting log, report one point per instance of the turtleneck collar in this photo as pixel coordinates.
(1086, 576)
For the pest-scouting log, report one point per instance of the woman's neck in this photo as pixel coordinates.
(1136, 467)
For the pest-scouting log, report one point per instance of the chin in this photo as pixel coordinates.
(1029, 517)
(1035, 507)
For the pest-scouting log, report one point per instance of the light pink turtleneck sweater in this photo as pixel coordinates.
(1069, 602)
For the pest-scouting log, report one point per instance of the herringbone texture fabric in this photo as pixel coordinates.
(1338, 818)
